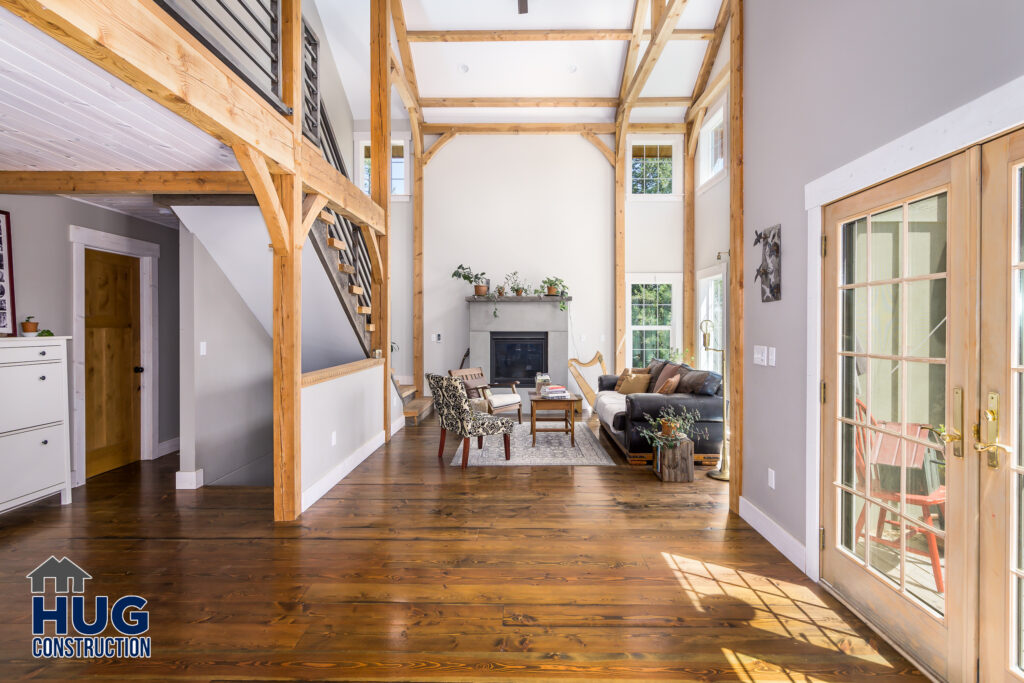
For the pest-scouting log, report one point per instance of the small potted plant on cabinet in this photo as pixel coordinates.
(30, 327)
(516, 284)
(479, 280)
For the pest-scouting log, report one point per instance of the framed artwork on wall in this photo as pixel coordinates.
(770, 270)
(8, 322)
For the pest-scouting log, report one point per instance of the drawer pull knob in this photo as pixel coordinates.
(46, 441)
(42, 353)
(42, 377)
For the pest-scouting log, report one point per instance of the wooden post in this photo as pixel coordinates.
(689, 230)
(380, 182)
(621, 154)
(736, 263)
(417, 265)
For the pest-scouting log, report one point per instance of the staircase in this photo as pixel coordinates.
(417, 408)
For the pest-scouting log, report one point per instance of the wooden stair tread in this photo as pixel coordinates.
(370, 327)
(405, 390)
(355, 289)
(363, 310)
(335, 243)
(327, 217)
(346, 268)
(418, 406)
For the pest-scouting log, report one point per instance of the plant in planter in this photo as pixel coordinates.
(478, 280)
(671, 437)
(555, 286)
(500, 289)
(45, 333)
(29, 326)
(516, 284)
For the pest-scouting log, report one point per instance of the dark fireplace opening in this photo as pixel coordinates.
(518, 356)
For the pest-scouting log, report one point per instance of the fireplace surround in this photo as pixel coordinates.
(518, 356)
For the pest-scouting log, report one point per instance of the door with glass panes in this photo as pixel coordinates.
(897, 486)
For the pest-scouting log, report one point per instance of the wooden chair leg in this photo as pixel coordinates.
(520, 411)
(508, 446)
(479, 442)
(465, 453)
(440, 449)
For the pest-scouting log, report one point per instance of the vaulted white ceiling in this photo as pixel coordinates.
(585, 68)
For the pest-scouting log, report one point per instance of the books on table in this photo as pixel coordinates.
(554, 391)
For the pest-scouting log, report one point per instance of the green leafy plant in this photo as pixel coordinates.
(516, 284)
(464, 273)
(669, 428)
(45, 333)
(500, 289)
(29, 319)
(555, 286)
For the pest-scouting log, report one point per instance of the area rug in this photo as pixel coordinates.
(551, 450)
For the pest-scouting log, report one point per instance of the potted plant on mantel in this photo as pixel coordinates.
(29, 327)
(555, 286)
(514, 283)
(479, 280)
(670, 436)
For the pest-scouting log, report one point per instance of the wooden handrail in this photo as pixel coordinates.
(327, 374)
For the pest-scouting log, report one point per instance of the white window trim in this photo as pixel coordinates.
(719, 269)
(724, 172)
(361, 140)
(677, 167)
(676, 328)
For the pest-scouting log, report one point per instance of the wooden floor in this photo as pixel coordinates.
(414, 570)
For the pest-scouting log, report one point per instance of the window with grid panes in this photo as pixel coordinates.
(650, 322)
(652, 169)
(397, 168)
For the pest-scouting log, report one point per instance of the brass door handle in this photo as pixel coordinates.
(950, 435)
(982, 447)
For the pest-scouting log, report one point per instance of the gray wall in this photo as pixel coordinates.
(42, 275)
(826, 82)
(226, 395)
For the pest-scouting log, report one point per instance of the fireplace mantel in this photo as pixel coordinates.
(513, 299)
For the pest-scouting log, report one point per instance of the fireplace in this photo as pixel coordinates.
(518, 356)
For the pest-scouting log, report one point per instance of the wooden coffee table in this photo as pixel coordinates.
(568, 407)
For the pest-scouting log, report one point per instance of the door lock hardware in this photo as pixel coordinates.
(991, 445)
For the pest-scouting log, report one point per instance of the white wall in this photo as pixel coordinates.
(539, 204)
(815, 101)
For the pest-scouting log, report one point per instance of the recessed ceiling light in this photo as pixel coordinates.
(572, 68)
(464, 68)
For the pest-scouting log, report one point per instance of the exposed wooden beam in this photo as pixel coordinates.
(509, 102)
(704, 73)
(601, 147)
(398, 20)
(124, 182)
(319, 177)
(530, 35)
(644, 127)
(657, 9)
(436, 147)
(255, 168)
(312, 204)
(142, 45)
(689, 243)
(170, 200)
(420, 159)
(714, 89)
(693, 131)
(518, 128)
(737, 265)
(404, 88)
(643, 102)
(640, 9)
(659, 39)
(620, 251)
(380, 186)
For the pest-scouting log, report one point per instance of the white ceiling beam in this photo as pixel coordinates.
(509, 102)
(530, 35)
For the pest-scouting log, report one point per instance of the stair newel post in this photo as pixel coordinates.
(380, 184)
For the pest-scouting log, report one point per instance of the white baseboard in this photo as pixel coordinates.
(188, 480)
(167, 447)
(398, 424)
(317, 489)
(784, 541)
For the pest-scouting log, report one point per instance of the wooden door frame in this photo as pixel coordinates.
(147, 253)
(990, 115)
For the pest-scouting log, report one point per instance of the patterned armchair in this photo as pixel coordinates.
(456, 415)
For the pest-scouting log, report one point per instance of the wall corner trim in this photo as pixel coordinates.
(317, 489)
(785, 542)
(188, 480)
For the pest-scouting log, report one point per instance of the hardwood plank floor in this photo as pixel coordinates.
(413, 570)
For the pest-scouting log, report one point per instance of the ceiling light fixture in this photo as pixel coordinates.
(464, 68)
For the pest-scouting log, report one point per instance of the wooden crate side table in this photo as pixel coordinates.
(567, 407)
(675, 464)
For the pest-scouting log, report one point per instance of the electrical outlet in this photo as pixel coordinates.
(202, 348)
(334, 438)
(771, 478)
(771, 356)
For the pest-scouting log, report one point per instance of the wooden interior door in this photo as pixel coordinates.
(898, 503)
(1000, 431)
(112, 353)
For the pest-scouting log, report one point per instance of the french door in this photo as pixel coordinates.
(899, 506)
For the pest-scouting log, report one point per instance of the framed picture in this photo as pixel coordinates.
(770, 270)
(8, 321)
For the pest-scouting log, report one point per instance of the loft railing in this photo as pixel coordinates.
(245, 34)
(310, 83)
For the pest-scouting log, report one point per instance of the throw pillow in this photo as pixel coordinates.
(692, 382)
(473, 387)
(669, 371)
(622, 378)
(635, 384)
(655, 367)
(669, 387)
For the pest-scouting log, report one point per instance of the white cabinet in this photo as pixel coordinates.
(35, 454)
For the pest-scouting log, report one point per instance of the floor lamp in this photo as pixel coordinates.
(722, 473)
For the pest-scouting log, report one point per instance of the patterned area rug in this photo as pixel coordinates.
(551, 449)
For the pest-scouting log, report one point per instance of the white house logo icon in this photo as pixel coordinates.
(64, 572)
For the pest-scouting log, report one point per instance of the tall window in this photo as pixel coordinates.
(712, 147)
(398, 185)
(654, 317)
(652, 167)
(711, 297)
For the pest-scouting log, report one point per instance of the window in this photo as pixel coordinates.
(712, 147)
(654, 317)
(711, 302)
(398, 184)
(652, 169)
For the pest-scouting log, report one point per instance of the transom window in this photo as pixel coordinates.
(652, 167)
(398, 184)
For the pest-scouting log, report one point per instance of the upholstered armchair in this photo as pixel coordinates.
(483, 398)
(456, 415)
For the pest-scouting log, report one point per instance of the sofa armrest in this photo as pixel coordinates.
(607, 382)
(709, 408)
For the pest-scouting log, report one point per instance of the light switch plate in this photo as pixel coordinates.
(760, 355)
(771, 478)
(436, 337)
(771, 356)
(202, 348)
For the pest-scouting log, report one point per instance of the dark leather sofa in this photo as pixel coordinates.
(623, 426)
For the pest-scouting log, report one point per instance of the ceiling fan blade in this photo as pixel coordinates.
(523, 8)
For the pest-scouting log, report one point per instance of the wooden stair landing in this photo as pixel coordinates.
(417, 410)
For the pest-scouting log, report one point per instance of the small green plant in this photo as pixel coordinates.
(516, 284)
(500, 289)
(29, 319)
(464, 273)
(555, 286)
(45, 333)
(670, 428)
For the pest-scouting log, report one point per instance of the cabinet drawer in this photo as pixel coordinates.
(30, 354)
(31, 461)
(32, 395)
